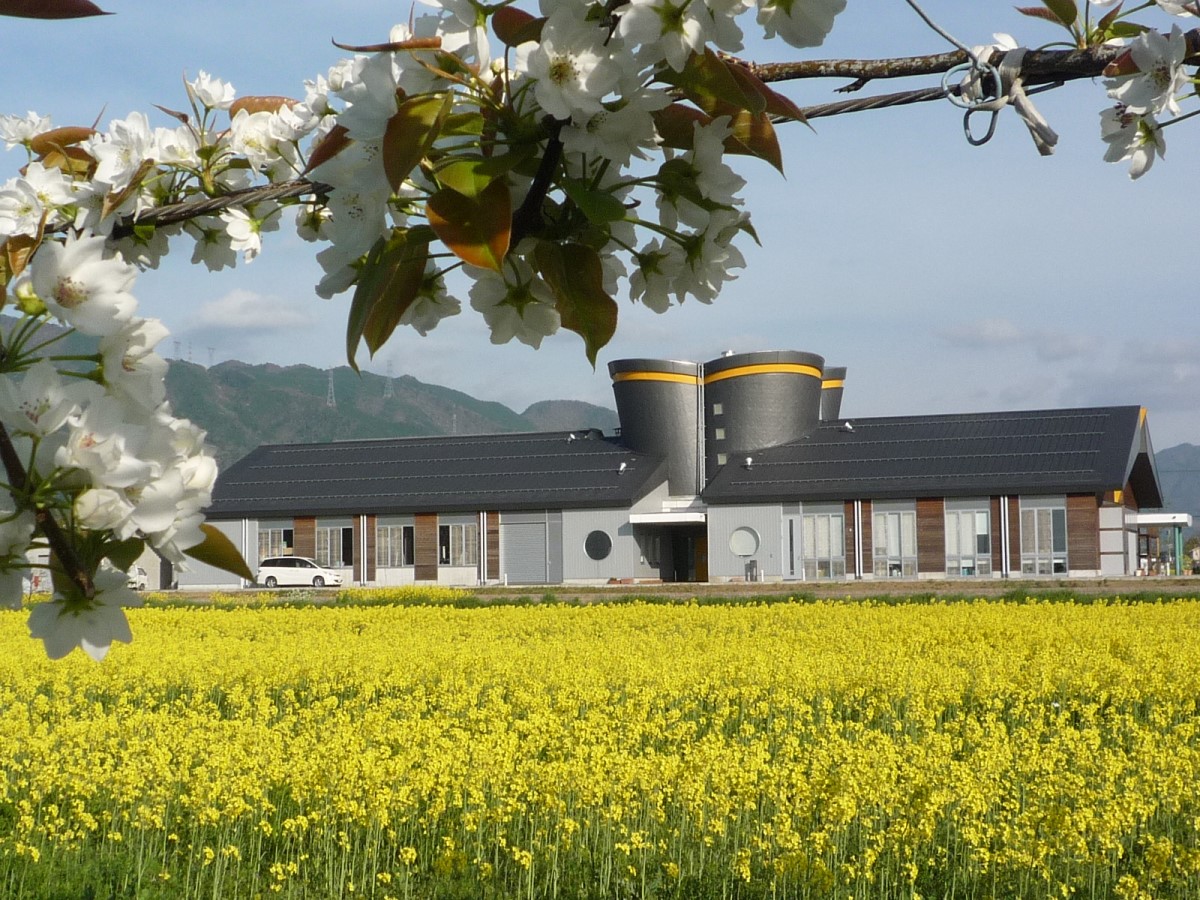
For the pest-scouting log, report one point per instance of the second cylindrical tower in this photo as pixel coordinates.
(758, 400)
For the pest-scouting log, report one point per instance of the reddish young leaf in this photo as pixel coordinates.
(74, 161)
(264, 103)
(425, 43)
(1038, 12)
(1064, 11)
(334, 142)
(575, 275)
(708, 80)
(754, 134)
(17, 251)
(113, 200)
(515, 26)
(410, 133)
(50, 9)
(674, 124)
(58, 138)
(775, 103)
(476, 229)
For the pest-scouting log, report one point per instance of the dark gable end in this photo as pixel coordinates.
(980, 454)
(558, 470)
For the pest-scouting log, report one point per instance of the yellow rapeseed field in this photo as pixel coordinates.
(973, 749)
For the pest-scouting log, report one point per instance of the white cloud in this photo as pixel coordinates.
(241, 308)
(994, 332)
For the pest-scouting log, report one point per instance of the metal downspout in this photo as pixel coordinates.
(858, 541)
(1005, 562)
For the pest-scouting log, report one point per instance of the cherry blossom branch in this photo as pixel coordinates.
(186, 210)
(60, 546)
(1038, 67)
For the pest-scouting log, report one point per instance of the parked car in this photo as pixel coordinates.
(276, 571)
(138, 579)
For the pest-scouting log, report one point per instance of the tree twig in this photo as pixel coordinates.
(60, 546)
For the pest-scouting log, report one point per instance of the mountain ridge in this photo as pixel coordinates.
(243, 405)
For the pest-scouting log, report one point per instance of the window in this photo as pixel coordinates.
(275, 540)
(597, 545)
(895, 543)
(718, 409)
(968, 538)
(823, 543)
(719, 434)
(722, 459)
(1043, 537)
(335, 546)
(458, 545)
(743, 541)
(395, 545)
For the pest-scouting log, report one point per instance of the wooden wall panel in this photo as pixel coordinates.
(425, 541)
(931, 535)
(304, 537)
(493, 545)
(1083, 531)
(997, 537)
(868, 542)
(848, 535)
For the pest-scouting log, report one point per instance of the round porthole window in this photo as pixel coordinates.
(743, 541)
(598, 545)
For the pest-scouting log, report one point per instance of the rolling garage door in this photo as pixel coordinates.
(523, 551)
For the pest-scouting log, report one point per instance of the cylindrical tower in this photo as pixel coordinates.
(758, 400)
(831, 392)
(658, 404)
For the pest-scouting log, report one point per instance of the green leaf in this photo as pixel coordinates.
(599, 206)
(124, 554)
(1064, 10)
(388, 282)
(706, 80)
(465, 123)
(217, 550)
(476, 229)
(410, 133)
(1126, 29)
(469, 175)
(676, 179)
(575, 275)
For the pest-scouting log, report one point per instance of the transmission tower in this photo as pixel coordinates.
(389, 389)
(330, 399)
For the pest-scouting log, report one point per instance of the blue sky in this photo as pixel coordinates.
(945, 277)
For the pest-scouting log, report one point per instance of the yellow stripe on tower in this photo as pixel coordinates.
(656, 376)
(832, 383)
(764, 369)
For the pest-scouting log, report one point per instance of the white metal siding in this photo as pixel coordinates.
(523, 552)
(766, 520)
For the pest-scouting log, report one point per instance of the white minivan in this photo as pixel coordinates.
(275, 571)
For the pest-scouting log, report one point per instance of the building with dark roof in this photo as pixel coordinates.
(736, 469)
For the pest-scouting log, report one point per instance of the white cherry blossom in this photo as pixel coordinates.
(42, 401)
(120, 152)
(83, 285)
(1160, 77)
(210, 92)
(92, 624)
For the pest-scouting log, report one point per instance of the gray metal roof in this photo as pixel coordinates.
(975, 454)
(556, 470)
